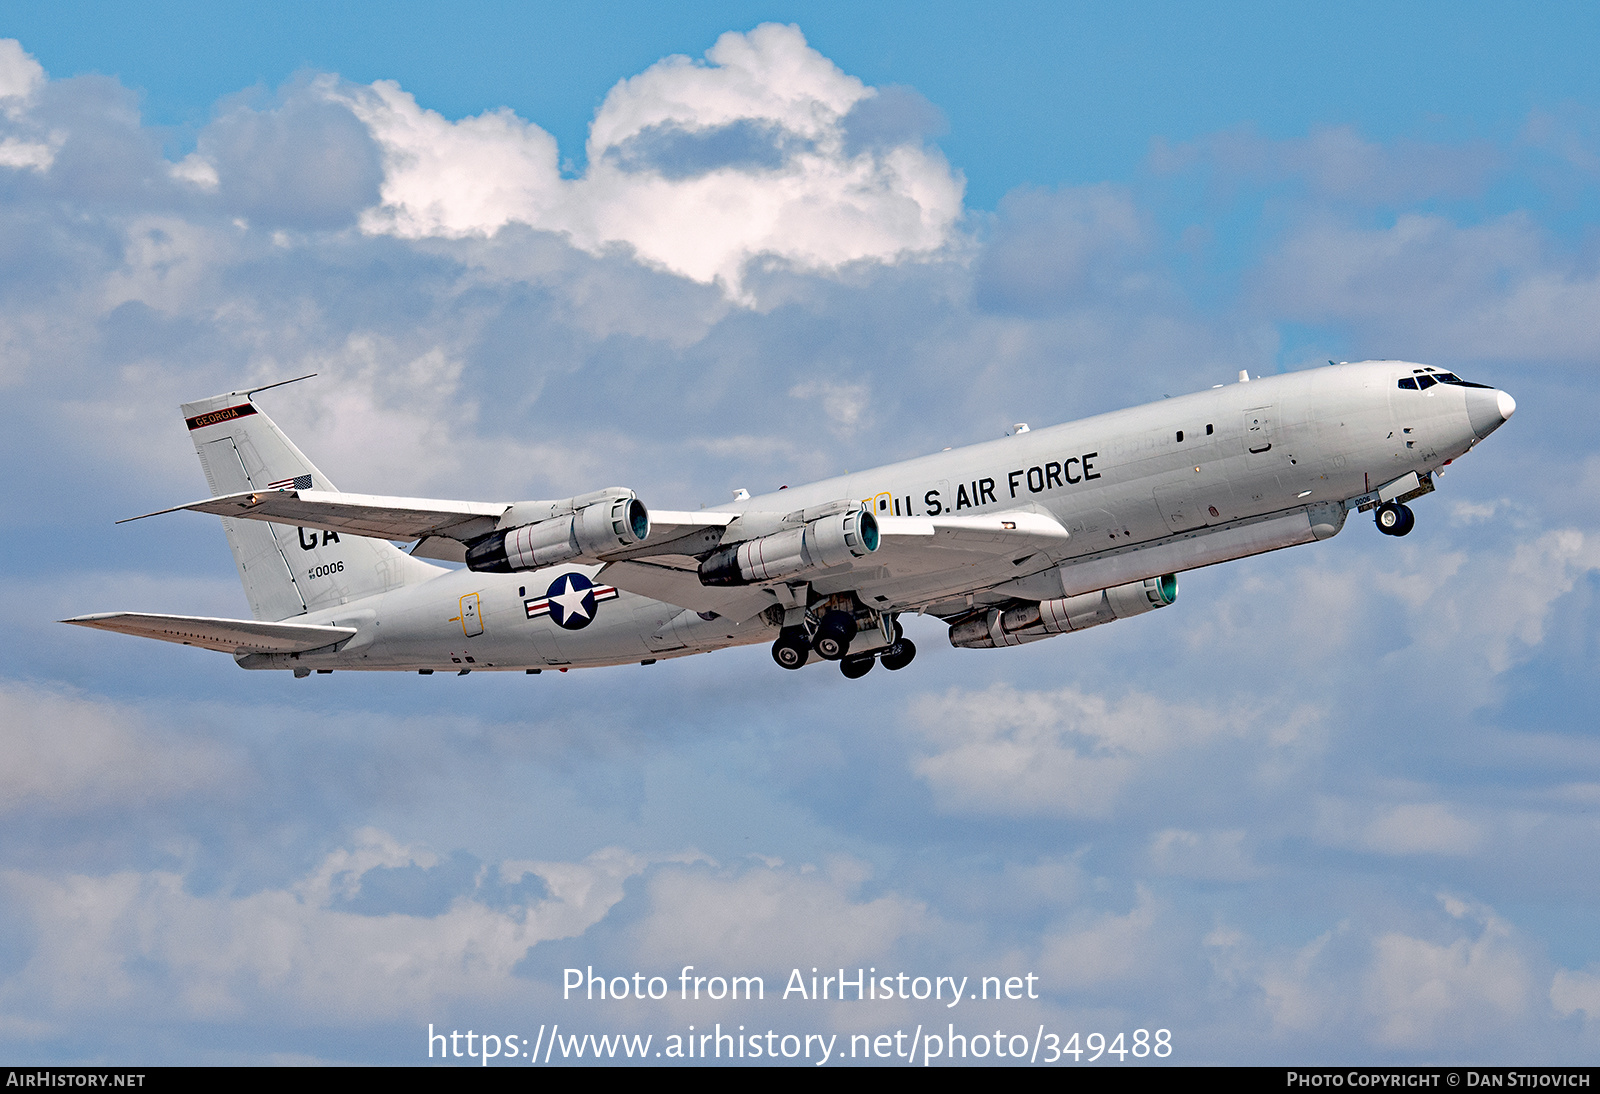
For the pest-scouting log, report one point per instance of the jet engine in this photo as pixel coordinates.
(816, 545)
(584, 526)
(1031, 622)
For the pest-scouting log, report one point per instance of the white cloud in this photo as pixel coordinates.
(842, 403)
(1572, 991)
(1055, 753)
(1410, 828)
(197, 171)
(143, 939)
(1489, 605)
(697, 167)
(19, 154)
(1496, 290)
(1215, 856)
(20, 77)
(771, 917)
(66, 755)
(1424, 993)
(1108, 949)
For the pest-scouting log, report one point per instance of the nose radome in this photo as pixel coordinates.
(1488, 410)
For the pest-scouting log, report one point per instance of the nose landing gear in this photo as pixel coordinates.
(1394, 519)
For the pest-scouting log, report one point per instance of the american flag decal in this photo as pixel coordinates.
(299, 482)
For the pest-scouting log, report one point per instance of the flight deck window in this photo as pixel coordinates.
(1408, 383)
(1452, 378)
(1425, 382)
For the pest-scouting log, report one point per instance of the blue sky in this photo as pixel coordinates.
(1335, 805)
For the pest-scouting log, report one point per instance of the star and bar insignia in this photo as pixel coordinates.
(571, 601)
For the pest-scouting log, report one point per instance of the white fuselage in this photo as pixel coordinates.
(1159, 476)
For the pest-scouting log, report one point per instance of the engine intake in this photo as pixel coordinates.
(816, 545)
(591, 524)
(1031, 622)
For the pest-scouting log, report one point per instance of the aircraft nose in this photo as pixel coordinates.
(1488, 410)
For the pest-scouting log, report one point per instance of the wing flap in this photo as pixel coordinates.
(226, 635)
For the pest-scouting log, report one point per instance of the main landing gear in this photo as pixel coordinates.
(832, 643)
(1395, 519)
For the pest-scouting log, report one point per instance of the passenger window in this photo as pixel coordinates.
(1208, 431)
(1408, 383)
(1425, 382)
(1180, 436)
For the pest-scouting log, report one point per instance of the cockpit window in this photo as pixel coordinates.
(1452, 378)
(1425, 382)
(1408, 383)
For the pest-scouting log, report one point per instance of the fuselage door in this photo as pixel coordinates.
(1258, 430)
(471, 615)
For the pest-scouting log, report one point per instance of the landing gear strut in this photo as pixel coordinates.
(1395, 519)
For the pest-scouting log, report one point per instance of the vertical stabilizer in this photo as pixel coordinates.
(287, 571)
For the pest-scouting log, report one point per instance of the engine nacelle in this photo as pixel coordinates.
(816, 545)
(1031, 622)
(592, 523)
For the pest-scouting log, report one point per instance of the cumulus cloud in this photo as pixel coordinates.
(1573, 990)
(66, 754)
(771, 917)
(306, 163)
(1502, 598)
(1060, 251)
(697, 167)
(1216, 856)
(297, 951)
(20, 76)
(1408, 829)
(1107, 948)
(1422, 993)
(1498, 290)
(1052, 753)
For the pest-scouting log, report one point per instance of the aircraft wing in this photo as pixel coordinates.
(442, 527)
(919, 559)
(355, 514)
(227, 635)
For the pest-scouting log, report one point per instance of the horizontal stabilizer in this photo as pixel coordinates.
(226, 635)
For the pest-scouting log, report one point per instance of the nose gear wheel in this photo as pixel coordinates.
(1394, 519)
